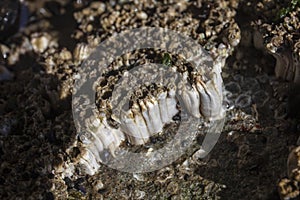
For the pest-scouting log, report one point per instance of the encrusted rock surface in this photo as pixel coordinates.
(275, 31)
(39, 147)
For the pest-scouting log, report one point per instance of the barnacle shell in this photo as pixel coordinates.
(293, 158)
(81, 52)
(40, 42)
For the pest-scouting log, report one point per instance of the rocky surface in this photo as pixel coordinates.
(38, 138)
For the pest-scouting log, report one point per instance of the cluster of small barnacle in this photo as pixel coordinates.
(95, 25)
(100, 20)
(289, 187)
(179, 16)
(30, 142)
(172, 182)
(276, 31)
(280, 38)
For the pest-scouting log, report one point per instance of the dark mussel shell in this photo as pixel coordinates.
(13, 16)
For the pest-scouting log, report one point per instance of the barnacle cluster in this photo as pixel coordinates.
(283, 43)
(153, 106)
(276, 31)
(289, 187)
(279, 36)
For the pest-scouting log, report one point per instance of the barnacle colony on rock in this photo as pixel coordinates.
(155, 94)
(289, 187)
(280, 38)
(189, 82)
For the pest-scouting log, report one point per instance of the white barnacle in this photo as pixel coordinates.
(140, 121)
(171, 103)
(81, 52)
(154, 114)
(162, 96)
(131, 128)
(190, 99)
(40, 42)
(211, 101)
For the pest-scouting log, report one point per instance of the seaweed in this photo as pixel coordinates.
(284, 11)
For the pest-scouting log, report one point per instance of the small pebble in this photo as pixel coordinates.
(142, 15)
